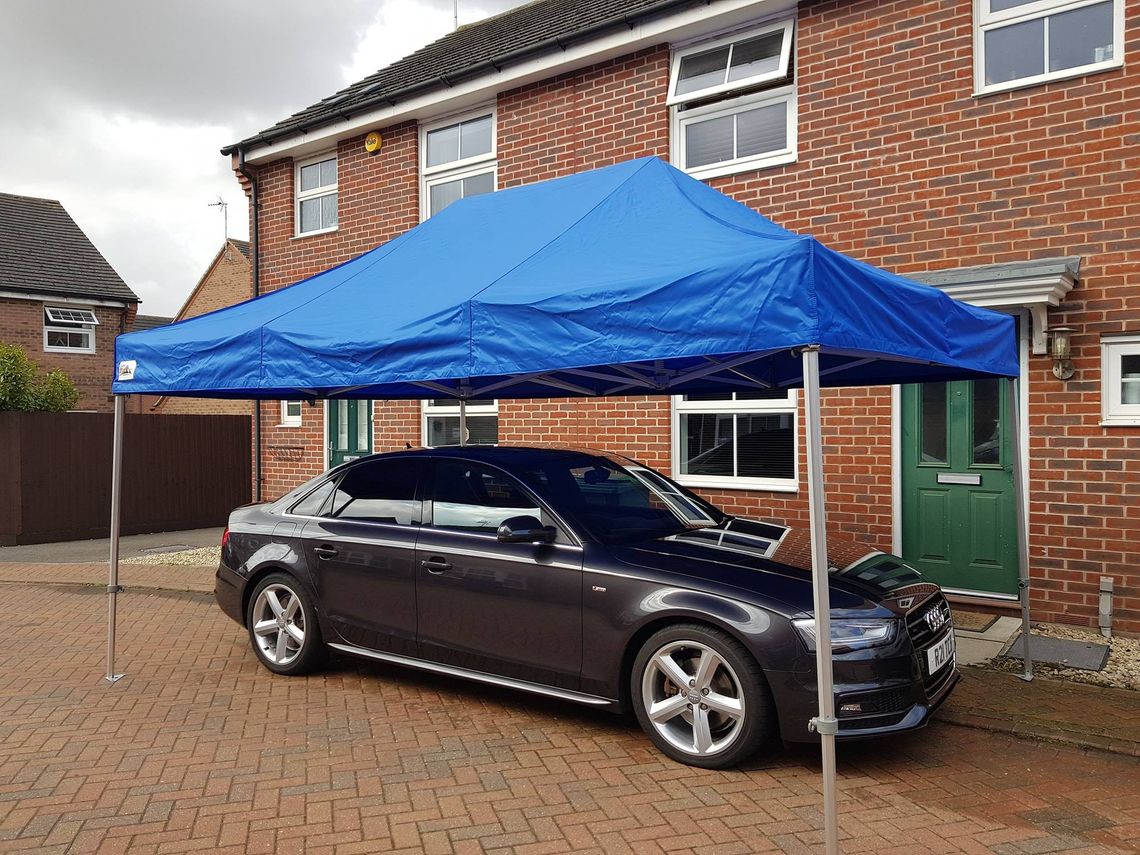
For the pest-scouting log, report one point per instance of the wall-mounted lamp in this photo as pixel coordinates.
(1061, 351)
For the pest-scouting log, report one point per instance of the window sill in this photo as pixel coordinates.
(288, 425)
(1041, 79)
(718, 170)
(76, 350)
(752, 484)
(1120, 421)
(314, 232)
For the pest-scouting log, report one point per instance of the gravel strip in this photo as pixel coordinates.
(204, 556)
(1121, 671)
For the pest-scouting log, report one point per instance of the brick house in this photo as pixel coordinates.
(988, 147)
(225, 282)
(59, 298)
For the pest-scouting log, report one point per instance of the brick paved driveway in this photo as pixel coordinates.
(201, 749)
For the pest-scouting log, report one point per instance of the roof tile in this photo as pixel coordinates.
(486, 44)
(43, 250)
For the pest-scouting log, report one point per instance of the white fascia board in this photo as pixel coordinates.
(50, 299)
(1016, 293)
(685, 25)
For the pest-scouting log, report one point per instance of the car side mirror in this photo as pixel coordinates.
(525, 529)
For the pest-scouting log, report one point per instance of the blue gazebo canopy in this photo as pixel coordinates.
(632, 279)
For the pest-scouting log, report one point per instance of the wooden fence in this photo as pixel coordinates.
(179, 472)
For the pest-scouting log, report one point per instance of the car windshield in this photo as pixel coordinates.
(616, 504)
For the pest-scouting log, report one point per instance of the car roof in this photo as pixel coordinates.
(505, 455)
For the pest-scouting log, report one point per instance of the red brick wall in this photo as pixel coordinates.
(900, 165)
(22, 323)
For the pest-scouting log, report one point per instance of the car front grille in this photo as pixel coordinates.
(925, 630)
(928, 623)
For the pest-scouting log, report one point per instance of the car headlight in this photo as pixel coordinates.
(850, 634)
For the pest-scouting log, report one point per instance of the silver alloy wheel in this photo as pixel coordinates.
(693, 698)
(279, 624)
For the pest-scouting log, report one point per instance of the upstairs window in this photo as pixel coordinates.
(316, 195)
(68, 330)
(1026, 42)
(733, 103)
(458, 160)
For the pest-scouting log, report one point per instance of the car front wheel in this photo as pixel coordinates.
(701, 697)
(283, 627)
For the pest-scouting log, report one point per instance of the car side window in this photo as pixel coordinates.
(311, 505)
(382, 491)
(471, 497)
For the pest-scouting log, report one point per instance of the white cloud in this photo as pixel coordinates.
(122, 106)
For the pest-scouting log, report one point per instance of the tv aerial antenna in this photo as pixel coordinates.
(224, 205)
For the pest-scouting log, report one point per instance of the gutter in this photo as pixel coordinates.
(485, 67)
(255, 267)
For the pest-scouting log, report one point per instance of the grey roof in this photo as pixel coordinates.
(242, 245)
(544, 26)
(43, 251)
(149, 322)
(1039, 268)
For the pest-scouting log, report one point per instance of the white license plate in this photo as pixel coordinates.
(941, 653)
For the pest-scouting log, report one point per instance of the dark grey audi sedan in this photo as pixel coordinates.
(585, 576)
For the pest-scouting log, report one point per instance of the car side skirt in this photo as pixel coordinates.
(477, 676)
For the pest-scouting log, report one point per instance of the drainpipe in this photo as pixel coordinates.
(255, 261)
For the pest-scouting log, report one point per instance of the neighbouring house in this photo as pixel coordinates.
(225, 282)
(60, 300)
(988, 148)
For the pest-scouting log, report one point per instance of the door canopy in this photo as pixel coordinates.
(632, 279)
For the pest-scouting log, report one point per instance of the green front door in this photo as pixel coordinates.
(349, 430)
(958, 519)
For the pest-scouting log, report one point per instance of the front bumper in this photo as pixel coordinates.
(890, 686)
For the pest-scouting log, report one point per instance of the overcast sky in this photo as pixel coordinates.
(118, 108)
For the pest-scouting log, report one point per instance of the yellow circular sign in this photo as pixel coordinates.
(372, 142)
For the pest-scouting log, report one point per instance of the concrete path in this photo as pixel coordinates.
(199, 748)
(93, 551)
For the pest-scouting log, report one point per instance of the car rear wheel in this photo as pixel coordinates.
(701, 697)
(283, 628)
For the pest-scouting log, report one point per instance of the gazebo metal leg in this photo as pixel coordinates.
(825, 723)
(113, 587)
(1019, 476)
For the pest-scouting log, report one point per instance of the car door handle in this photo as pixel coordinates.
(325, 552)
(435, 565)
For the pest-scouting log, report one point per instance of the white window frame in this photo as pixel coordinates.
(788, 27)
(288, 419)
(985, 21)
(429, 408)
(316, 193)
(52, 325)
(679, 118)
(1113, 410)
(790, 405)
(457, 169)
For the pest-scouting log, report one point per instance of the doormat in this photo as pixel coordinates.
(973, 621)
(1085, 655)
